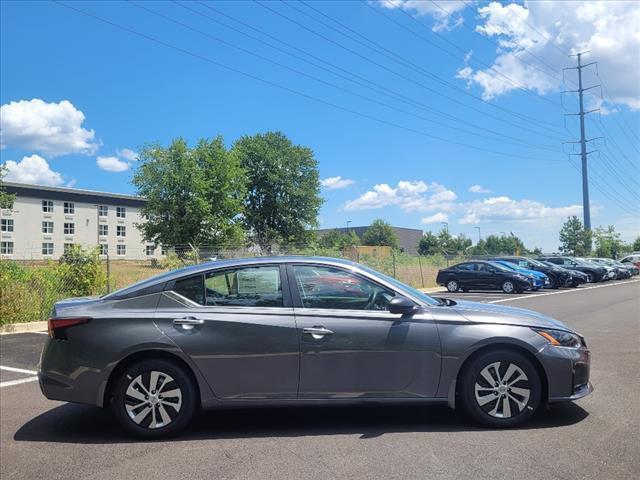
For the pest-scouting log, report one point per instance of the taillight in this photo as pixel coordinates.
(58, 326)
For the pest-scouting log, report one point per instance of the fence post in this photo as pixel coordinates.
(421, 275)
(393, 256)
(108, 274)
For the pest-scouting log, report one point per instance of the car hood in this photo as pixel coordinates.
(491, 313)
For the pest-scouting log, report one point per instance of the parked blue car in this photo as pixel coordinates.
(540, 280)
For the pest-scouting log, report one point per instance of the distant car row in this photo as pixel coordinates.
(513, 274)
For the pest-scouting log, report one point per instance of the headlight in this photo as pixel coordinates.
(560, 338)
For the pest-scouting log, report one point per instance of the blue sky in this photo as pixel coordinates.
(426, 100)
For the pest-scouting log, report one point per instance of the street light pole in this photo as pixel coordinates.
(348, 222)
(446, 226)
(479, 236)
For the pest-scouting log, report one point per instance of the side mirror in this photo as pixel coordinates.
(402, 306)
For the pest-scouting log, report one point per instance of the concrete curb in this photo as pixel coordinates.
(23, 327)
(432, 290)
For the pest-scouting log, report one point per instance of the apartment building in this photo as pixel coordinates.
(45, 221)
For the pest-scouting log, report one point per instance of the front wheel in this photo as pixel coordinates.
(500, 389)
(509, 287)
(155, 398)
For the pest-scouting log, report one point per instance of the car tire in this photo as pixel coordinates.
(140, 406)
(509, 404)
(509, 287)
(452, 285)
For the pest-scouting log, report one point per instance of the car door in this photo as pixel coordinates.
(486, 275)
(465, 274)
(238, 327)
(351, 346)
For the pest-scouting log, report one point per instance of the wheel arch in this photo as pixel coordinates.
(544, 394)
(149, 354)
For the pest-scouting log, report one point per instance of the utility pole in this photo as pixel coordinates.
(586, 210)
(479, 236)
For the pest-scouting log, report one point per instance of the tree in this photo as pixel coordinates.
(428, 244)
(608, 242)
(380, 233)
(283, 198)
(574, 238)
(194, 196)
(334, 239)
(636, 245)
(6, 199)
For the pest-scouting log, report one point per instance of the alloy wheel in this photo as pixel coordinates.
(508, 287)
(452, 286)
(153, 399)
(502, 390)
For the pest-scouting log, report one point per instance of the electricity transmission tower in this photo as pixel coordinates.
(583, 140)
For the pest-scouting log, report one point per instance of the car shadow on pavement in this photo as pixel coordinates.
(70, 423)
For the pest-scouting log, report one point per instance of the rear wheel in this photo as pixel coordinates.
(453, 285)
(154, 399)
(500, 389)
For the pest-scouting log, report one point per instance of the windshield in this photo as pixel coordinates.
(402, 286)
(502, 268)
(506, 265)
(537, 263)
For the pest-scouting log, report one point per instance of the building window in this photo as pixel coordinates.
(150, 250)
(121, 231)
(6, 225)
(68, 247)
(47, 248)
(121, 249)
(103, 210)
(6, 248)
(47, 206)
(121, 212)
(69, 208)
(47, 227)
(103, 230)
(104, 249)
(69, 228)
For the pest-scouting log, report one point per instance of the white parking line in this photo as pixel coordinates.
(582, 289)
(18, 370)
(18, 382)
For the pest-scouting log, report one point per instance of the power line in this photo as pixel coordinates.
(484, 64)
(351, 92)
(418, 69)
(285, 88)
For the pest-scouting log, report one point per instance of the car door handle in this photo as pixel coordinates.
(317, 332)
(187, 322)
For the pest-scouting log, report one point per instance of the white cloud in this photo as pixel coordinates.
(435, 218)
(547, 29)
(127, 154)
(442, 11)
(334, 183)
(408, 195)
(478, 189)
(33, 169)
(501, 209)
(112, 164)
(51, 128)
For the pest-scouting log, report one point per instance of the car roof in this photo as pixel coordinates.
(151, 285)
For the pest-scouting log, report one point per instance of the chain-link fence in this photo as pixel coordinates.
(29, 287)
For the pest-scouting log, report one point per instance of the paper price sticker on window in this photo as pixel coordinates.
(258, 281)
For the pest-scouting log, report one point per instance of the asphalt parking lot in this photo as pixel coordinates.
(598, 437)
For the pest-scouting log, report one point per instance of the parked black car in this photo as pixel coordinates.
(594, 272)
(558, 277)
(482, 275)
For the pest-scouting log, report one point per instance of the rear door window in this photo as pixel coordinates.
(191, 288)
(244, 287)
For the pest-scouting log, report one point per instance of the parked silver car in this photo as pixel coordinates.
(300, 331)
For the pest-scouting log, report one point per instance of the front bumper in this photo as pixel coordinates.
(568, 372)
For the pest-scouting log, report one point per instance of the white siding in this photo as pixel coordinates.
(27, 235)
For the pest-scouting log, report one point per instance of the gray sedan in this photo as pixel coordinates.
(301, 331)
